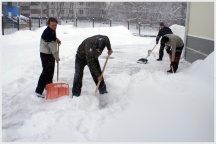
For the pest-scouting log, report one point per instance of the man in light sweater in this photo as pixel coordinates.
(48, 54)
(174, 46)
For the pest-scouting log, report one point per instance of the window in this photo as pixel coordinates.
(34, 11)
(35, 3)
(53, 11)
(81, 11)
(81, 3)
(24, 8)
(52, 3)
(44, 11)
(62, 12)
(71, 11)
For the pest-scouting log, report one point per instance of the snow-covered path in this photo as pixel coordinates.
(144, 103)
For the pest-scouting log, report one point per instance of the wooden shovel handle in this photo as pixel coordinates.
(58, 65)
(98, 84)
(151, 51)
(170, 63)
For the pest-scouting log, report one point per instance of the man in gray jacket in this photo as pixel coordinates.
(87, 54)
(174, 46)
(48, 54)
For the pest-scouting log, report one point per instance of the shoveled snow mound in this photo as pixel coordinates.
(205, 66)
(178, 30)
(202, 66)
(175, 108)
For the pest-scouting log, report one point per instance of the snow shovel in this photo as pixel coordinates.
(98, 84)
(56, 90)
(144, 60)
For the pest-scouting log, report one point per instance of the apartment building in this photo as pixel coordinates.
(63, 10)
(25, 8)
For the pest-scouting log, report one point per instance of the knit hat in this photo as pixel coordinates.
(101, 44)
(161, 24)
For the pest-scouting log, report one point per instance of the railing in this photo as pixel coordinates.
(11, 25)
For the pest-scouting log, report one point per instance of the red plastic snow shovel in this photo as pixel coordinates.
(56, 90)
(98, 84)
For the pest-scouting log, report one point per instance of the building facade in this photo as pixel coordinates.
(24, 8)
(199, 35)
(63, 10)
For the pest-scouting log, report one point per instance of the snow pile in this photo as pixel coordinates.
(24, 17)
(178, 30)
(175, 108)
(202, 66)
(206, 68)
(144, 103)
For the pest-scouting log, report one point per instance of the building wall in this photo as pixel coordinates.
(38, 9)
(25, 8)
(90, 10)
(65, 10)
(202, 19)
(60, 9)
(200, 30)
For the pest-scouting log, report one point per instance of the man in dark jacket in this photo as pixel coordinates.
(87, 54)
(48, 54)
(163, 31)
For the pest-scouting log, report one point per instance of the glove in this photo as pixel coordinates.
(156, 42)
(168, 51)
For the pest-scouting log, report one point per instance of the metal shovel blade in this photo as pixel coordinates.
(142, 61)
(56, 90)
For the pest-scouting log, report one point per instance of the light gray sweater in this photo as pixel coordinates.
(174, 42)
(49, 48)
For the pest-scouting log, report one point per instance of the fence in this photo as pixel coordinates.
(11, 25)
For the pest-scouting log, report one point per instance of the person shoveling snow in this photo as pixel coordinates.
(174, 46)
(163, 31)
(87, 54)
(48, 54)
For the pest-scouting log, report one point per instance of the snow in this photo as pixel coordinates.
(178, 30)
(144, 103)
(24, 17)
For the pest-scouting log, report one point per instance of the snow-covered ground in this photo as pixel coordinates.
(144, 103)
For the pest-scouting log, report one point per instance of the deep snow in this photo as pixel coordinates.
(144, 103)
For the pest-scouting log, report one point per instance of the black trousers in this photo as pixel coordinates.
(78, 76)
(161, 50)
(46, 77)
(177, 57)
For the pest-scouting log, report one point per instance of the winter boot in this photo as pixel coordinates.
(170, 71)
(103, 92)
(39, 95)
(159, 59)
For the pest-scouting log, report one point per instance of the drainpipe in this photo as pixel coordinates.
(186, 30)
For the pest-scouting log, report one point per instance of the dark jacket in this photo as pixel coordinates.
(48, 35)
(162, 32)
(87, 51)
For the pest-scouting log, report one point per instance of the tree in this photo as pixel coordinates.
(148, 12)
